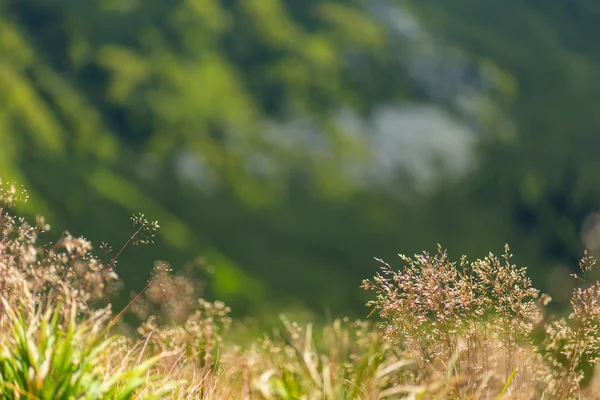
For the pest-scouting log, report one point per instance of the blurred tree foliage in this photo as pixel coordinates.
(189, 111)
(547, 178)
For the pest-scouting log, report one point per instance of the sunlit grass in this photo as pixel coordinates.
(441, 330)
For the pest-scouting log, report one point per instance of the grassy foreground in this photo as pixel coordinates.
(465, 330)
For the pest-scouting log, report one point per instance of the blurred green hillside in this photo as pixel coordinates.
(289, 142)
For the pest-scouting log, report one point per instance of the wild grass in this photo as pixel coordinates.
(442, 330)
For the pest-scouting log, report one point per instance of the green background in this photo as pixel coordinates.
(289, 142)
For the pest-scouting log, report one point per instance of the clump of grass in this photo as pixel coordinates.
(193, 347)
(53, 342)
(570, 345)
(169, 297)
(42, 357)
(442, 311)
(349, 362)
(37, 277)
(476, 320)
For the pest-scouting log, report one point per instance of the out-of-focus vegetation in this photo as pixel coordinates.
(288, 142)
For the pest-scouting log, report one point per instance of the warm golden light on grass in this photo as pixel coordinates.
(450, 330)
